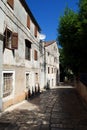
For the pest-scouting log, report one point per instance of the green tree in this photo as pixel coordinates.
(62, 65)
(68, 39)
(83, 34)
(72, 37)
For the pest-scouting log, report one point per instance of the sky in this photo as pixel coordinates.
(47, 14)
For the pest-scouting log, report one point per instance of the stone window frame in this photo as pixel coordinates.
(27, 75)
(48, 70)
(10, 39)
(36, 77)
(10, 93)
(27, 49)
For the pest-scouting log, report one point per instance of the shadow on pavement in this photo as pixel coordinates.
(55, 109)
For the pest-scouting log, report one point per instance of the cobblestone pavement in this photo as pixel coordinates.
(56, 109)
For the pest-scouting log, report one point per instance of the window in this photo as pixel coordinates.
(48, 53)
(55, 59)
(11, 3)
(27, 80)
(27, 50)
(55, 70)
(11, 39)
(28, 21)
(7, 83)
(52, 70)
(48, 70)
(35, 31)
(40, 48)
(36, 77)
(52, 82)
(35, 55)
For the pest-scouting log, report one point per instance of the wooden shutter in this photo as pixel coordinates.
(11, 3)
(28, 21)
(35, 55)
(35, 31)
(14, 40)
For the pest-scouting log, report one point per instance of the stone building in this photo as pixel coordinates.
(26, 65)
(51, 64)
(19, 52)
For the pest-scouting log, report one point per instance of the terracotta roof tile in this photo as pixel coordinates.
(49, 43)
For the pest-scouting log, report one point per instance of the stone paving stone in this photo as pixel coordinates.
(56, 109)
(45, 128)
(60, 129)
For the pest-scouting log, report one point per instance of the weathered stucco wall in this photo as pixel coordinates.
(52, 61)
(14, 60)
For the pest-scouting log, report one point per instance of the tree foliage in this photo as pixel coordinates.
(72, 37)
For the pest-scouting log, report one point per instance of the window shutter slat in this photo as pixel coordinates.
(35, 55)
(15, 41)
(28, 21)
(11, 3)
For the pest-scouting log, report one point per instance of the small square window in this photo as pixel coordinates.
(7, 83)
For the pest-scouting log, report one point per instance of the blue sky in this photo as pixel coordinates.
(48, 12)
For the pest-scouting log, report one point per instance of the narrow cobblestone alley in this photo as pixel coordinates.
(55, 109)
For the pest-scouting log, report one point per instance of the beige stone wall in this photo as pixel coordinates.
(19, 91)
(12, 101)
(7, 104)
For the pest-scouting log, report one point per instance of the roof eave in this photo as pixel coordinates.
(23, 2)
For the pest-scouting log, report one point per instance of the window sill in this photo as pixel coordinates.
(7, 98)
(10, 48)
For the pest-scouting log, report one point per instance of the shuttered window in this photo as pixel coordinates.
(35, 31)
(35, 55)
(28, 21)
(48, 70)
(27, 50)
(11, 3)
(11, 39)
(15, 40)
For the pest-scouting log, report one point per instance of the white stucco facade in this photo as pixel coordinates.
(13, 60)
(52, 64)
